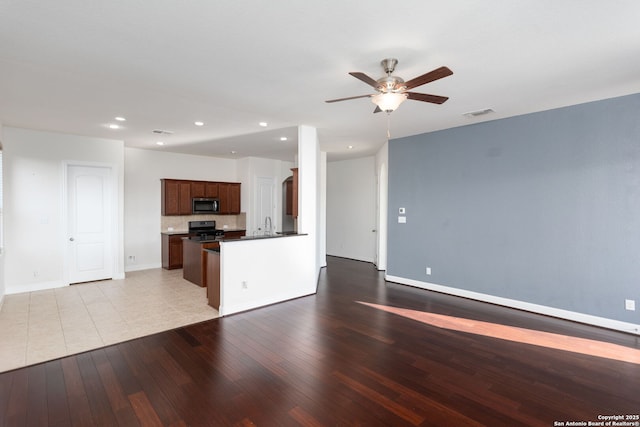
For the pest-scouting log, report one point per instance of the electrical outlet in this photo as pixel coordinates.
(428, 271)
(132, 258)
(630, 305)
(245, 285)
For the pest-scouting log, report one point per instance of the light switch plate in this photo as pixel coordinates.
(402, 220)
(630, 304)
(401, 211)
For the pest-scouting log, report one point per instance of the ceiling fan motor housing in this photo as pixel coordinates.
(390, 84)
(389, 64)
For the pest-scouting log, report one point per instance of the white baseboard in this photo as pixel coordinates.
(40, 286)
(139, 267)
(521, 305)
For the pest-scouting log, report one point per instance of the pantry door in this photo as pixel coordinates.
(90, 222)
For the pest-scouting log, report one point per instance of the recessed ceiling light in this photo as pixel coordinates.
(283, 138)
(263, 124)
(159, 143)
(350, 147)
(120, 119)
(114, 126)
(234, 152)
(198, 123)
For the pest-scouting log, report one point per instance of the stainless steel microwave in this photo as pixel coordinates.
(207, 205)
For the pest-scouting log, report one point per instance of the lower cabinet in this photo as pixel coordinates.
(172, 250)
(194, 268)
(213, 278)
(233, 235)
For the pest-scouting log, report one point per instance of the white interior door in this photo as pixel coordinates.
(89, 213)
(265, 193)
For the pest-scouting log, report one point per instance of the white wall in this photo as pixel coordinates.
(2, 288)
(311, 163)
(282, 268)
(35, 229)
(351, 208)
(382, 173)
(143, 171)
(249, 170)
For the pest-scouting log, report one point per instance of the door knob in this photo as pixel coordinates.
(71, 239)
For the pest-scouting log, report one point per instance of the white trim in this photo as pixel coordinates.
(521, 305)
(139, 267)
(32, 287)
(116, 271)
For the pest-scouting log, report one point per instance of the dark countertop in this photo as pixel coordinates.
(199, 240)
(271, 236)
(185, 232)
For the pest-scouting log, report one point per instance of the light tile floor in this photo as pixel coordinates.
(44, 325)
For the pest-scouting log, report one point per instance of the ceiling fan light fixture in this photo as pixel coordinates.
(388, 101)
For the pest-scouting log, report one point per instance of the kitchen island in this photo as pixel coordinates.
(255, 271)
(194, 259)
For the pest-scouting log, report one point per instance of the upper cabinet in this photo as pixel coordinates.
(177, 196)
(229, 195)
(204, 189)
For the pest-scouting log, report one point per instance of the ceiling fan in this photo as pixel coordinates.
(393, 91)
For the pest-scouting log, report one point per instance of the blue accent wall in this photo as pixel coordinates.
(542, 208)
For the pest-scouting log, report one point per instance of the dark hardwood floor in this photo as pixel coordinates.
(328, 360)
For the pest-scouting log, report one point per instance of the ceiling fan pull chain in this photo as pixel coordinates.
(388, 127)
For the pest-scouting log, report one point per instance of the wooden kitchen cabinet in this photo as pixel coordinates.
(175, 197)
(229, 195)
(204, 189)
(194, 260)
(234, 234)
(213, 278)
(211, 189)
(198, 189)
(172, 251)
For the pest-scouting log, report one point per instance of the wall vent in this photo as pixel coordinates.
(477, 113)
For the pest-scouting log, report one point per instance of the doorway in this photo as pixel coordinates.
(90, 223)
(264, 218)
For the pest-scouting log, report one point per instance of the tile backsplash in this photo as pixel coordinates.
(180, 223)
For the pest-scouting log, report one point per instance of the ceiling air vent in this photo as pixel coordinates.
(477, 113)
(162, 132)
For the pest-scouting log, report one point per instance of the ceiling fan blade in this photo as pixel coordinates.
(351, 97)
(368, 80)
(377, 110)
(436, 74)
(425, 97)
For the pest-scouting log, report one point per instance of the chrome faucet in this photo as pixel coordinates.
(267, 225)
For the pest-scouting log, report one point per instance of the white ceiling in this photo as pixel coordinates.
(73, 65)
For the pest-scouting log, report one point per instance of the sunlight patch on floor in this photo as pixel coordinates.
(521, 335)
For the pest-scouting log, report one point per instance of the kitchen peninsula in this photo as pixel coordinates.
(280, 270)
(193, 246)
